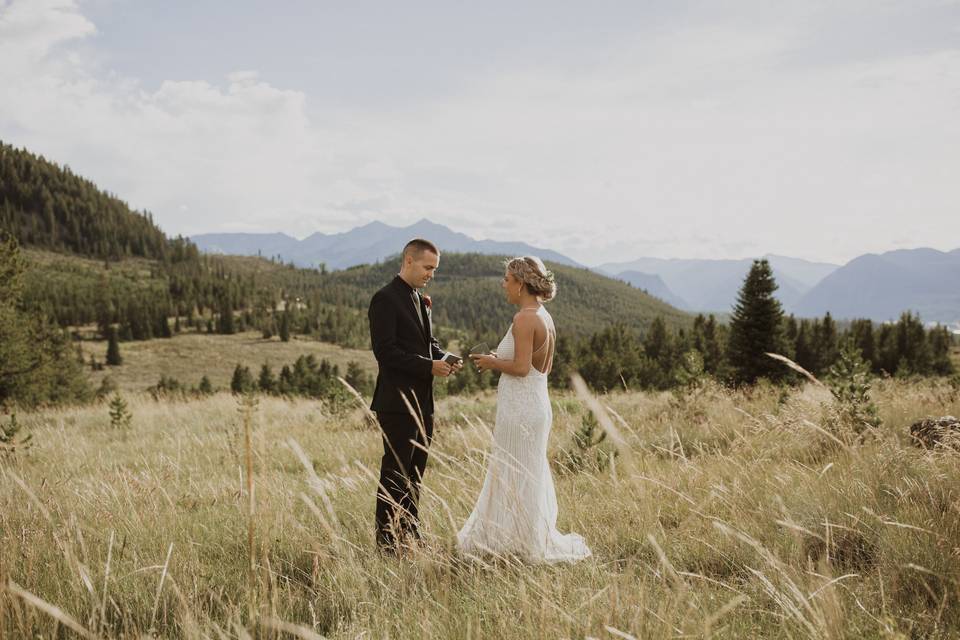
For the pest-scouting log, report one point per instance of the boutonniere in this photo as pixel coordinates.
(427, 301)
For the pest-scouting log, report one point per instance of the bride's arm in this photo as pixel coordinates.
(524, 325)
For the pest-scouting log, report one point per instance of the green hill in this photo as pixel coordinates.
(94, 260)
(467, 295)
(45, 205)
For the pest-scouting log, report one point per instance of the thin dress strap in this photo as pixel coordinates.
(551, 333)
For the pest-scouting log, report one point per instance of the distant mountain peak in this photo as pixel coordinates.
(375, 224)
(424, 224)
(367, 243)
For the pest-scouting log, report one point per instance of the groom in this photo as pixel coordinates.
(409, 357)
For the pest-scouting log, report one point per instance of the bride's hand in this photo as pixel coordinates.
(483, 362)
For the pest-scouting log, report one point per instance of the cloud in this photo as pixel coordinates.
(197, 153)
(30, 29)
(747, 130)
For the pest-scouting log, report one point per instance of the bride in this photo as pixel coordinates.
(516, 513)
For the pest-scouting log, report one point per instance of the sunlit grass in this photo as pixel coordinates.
(725, 515)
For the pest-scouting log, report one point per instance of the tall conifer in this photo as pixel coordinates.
(756, 328)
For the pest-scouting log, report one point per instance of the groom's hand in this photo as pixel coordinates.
(442, 369)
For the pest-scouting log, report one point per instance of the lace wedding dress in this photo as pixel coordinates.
(516, 512)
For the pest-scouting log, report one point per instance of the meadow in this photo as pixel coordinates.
(725, 514)
(188, 356)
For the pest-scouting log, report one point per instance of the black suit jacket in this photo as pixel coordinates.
(404, 351)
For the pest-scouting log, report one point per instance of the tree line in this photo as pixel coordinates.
(736, 354)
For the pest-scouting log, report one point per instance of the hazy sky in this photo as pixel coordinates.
(607, 131)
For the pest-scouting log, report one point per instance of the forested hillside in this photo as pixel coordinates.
(467, 295)
(90, 265)
(45, 205)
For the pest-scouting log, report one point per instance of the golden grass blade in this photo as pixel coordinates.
(163, 575)
(671, 572)
(106, 581)
(368, 414)
(583, 392)
(291, 628)
(620, 634)
(728, 606)
(51, 610)
(793, 365)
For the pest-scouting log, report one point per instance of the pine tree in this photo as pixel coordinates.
(706, 341)
(242, 381)
(940, 343)
(113, 348)
(285, 326)
(660, 352)
(359, 380)
(163, 326)
(756, 328)
(914, 350)
(120, 417)
(826, 344)
(803, 354)
(861, 332)
(225, 324)
(205, 387)
(850, 386)
(267, 382)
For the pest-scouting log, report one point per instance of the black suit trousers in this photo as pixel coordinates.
(401, 471)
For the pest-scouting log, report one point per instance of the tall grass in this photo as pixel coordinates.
(728, 514)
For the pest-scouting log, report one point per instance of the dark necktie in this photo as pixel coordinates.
(416, 306)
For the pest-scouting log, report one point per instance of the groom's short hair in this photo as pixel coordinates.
(417, 246)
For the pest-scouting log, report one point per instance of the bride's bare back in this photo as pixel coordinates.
(544, 334)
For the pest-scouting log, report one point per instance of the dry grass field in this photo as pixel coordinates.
(189, 356)
(726, 515)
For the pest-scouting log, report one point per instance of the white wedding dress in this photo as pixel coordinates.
(516, 513)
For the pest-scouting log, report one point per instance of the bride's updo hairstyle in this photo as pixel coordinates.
(537, 279)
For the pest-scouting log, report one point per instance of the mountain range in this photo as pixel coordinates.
(712, 285)
(882, 286)
(370, 243)
(874, 286)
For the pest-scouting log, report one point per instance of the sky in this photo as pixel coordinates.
(607, 131)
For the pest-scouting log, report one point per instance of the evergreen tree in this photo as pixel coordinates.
(825, 344)
(113, 348)
(242, 381)
(285, 384)
(267, 382)
(803, 353)
(285, 326)
(163, 327)
(225, 324)
(360, 380)
(660, 354)
(850, 385)
(707, 342)
(940, 343)
(790, 330)
(205, 387)
(756, 328)
(912, 345)
(120, 417)
(37, 362)
(861, 332)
